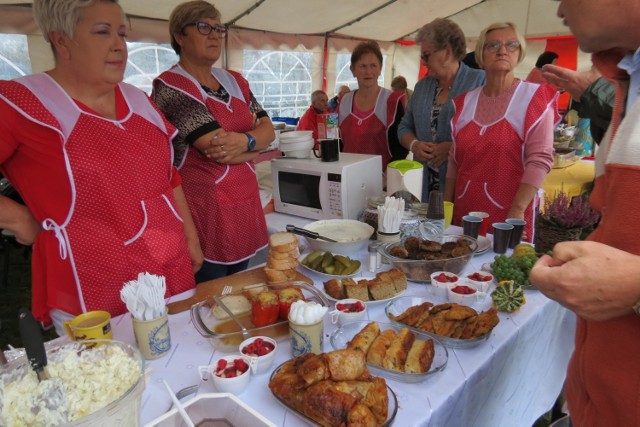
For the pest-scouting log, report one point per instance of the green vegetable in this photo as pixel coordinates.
(507, 268)
(508, 296)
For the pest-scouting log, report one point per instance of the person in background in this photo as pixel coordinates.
(399, 83)
(502, 135)
(535, 75)
(221, 129)
(598, 278)
(470, 60)
(369, 116)
(91, 157)
(333, 102)
(319, 105)
(425, 129)
(594, 95)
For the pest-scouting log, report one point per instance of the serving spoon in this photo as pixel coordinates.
(307, 233)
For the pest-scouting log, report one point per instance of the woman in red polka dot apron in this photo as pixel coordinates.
(213, 110)
(369, 116)
(112, 212)
(494, 138)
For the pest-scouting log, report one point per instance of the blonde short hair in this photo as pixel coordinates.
(499, 26)
(63, 16)
(186, 13)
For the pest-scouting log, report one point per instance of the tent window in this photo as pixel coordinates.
(344, 75)
(14, 56)
(280, 81)
(146, 61)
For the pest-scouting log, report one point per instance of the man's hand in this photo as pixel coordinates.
(596, 281)
(574, 82)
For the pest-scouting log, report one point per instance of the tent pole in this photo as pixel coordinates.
(325, 60)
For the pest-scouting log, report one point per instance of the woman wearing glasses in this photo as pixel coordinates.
(502, 133)
(221, 129)
(425, 129)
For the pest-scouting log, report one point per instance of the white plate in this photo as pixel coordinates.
(483, 245)
(331, 276)
(370, 302)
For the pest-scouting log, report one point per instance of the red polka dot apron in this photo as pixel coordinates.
(224, 199)
(122, 219)
(368, 135)
(491, 158)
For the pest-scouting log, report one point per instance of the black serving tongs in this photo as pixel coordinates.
(307, 233)
(52, 396)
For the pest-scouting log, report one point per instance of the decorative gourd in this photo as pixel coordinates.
(522, 250)
(508, 296)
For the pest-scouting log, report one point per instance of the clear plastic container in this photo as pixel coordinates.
(123, 411)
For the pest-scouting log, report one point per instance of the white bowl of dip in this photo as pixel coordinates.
(351, 236)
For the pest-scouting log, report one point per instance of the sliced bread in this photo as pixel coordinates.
(283, 241)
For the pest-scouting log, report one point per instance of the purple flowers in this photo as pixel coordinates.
(562, 211)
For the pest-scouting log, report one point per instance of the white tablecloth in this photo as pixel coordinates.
(509, 380)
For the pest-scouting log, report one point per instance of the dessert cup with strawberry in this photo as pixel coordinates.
(260, 349)
(465, 293)
(348, 310)
(480, 279)
(230, 374)
(441, 281)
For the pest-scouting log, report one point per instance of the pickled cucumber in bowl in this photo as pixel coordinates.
(328, 263)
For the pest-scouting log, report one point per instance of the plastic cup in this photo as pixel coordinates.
(448, 214)
(471, 225)
(485, 222)
(501, 235)
(153, 336)
(518, 229)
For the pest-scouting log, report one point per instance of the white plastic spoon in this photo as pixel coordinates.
(176, 402)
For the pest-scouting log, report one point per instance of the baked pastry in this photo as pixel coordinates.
(420, 357)
(362, 340)
(378, 349)
(398, 351)
(395, 351)
(357, 290)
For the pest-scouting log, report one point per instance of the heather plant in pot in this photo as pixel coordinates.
(563, 218)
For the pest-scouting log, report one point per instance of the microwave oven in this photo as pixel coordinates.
(311, 188)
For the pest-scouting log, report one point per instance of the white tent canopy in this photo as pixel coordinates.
(383, 20)
(312, 25)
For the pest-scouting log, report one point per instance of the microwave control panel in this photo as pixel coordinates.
(335, 193)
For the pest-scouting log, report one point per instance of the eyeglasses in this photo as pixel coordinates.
(511, 46)
(206, 29)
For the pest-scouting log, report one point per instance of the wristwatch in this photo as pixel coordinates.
(251, 143)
